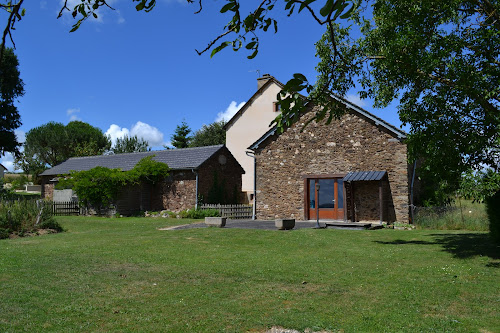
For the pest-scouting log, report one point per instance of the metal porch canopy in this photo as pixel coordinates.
(356, 176)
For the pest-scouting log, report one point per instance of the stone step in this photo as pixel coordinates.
(348, 225)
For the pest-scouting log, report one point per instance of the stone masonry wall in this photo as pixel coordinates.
(177, 193)
(228, 176)
(351, 143)
(48, 191)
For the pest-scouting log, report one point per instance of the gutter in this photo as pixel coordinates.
(196, 198)
(412, 207)
(254, 208)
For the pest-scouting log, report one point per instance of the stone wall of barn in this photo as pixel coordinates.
(351, 143)
(176, 193)
(220, 179)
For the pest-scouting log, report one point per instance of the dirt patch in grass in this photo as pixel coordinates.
(39, 232)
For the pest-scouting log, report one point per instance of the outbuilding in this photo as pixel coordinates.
(202, 174)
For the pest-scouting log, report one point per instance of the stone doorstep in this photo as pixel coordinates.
(349, 225)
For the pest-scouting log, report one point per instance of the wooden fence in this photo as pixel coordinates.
(232, 211)
(64, 208)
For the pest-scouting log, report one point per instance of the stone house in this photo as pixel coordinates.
(352, 169)
(210, 173)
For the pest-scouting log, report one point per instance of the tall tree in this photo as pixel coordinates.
(130, 144)
(439, 59)
(11, 87)
(86, 140)
(209, 135)
(52, 143)
(181, 138)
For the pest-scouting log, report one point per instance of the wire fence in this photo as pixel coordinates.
(239, 211)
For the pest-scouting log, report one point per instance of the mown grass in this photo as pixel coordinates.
(124, 275)
(461, 215)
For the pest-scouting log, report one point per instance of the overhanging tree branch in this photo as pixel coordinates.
(15, 15)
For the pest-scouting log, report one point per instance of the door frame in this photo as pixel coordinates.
(306, 179)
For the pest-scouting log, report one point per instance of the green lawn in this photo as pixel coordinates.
(124, 275)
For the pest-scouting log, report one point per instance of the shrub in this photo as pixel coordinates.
(51, 224)
(198, 213)
(493, 211)
(4, 233)
(21, 217)
(97, 187)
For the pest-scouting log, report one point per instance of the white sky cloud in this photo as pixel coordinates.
(145, 131)
(230, 111)
(115, 132)
(7, 161)
(148, 133)
(72, 114)
(21, 136)
(354, 99)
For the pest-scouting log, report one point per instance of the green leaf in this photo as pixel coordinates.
(251, 45)
(227, 7)
(304, 4)
(327, 8)
(140, 6)
(254, 54)
(349, 12)
(219, 48)
(300, 77)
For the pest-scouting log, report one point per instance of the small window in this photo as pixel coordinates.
(276, 107)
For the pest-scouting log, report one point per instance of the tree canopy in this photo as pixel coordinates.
(130, 144)
(440, 60)
(53, 143)
(181, 138)
(11, 87)
(149, 170)
(209, 135)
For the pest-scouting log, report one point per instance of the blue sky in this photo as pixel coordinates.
(138, 73)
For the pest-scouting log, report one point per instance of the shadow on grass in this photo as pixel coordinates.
(461, 246)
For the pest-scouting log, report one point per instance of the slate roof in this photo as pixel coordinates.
(355, 176)
(180, 159)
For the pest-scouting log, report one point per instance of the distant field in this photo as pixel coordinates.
(124, 275)
(11, 176)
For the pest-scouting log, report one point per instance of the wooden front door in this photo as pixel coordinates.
(328, 198)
